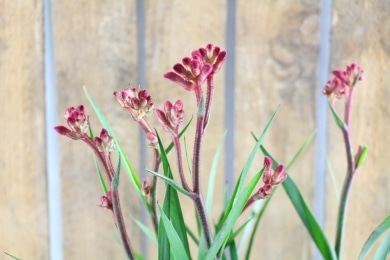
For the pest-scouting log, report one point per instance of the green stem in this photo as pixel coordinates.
(153, 191)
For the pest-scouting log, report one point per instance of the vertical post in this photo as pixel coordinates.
(52, 159)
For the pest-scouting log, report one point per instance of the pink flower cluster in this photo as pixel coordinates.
(343, 81)
(138, 102)
(271, 178)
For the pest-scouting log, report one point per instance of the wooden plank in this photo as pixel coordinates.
(23, 217)
(173, 30)
(361, 34)
(277, 49)
(95, 45)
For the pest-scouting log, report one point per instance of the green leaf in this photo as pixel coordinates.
(170, 146)
(115, 180)
(213, 173)
(384, 249)
(14, 257)
(306, 215)
(146, 230)
(101, 178)
(172, 210)
(362, 156)
(378, 231)
(247, 165)
(266, 202)
(223, 234)
(172, 183)
(337, 119)
(179, 251)
(126, 164)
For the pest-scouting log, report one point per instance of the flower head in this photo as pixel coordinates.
(106, 201)
(194, 70)
(343, 81)
(77, 122)
(138, 102)
(172, 116)
(271, 178)
(105, 143)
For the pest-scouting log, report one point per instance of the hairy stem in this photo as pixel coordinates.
(117, 210)
(121, 224)
(198, 200)
(209, 98)
(176, 142)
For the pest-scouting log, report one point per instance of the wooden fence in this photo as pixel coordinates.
(274, 59)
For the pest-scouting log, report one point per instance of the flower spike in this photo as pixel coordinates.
(138, 102)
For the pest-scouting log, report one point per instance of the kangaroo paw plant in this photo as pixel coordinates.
(214, 238)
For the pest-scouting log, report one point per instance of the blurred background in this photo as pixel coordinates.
(279, 53)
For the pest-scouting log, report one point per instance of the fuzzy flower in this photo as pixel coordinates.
(343, 81)
(77, 122)
(172, 116)
(138, 102)
(212, 55)
(271, 178)
(105, 143)
(106, 201)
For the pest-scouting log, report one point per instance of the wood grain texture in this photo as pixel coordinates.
(360, 34)
(23, 208)
(277, 46)
(95, 45)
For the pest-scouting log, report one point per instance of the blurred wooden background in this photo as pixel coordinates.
(276, 47)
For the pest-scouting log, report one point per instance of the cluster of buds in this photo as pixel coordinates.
(271, 178)
(77, 122)
(194, 70)
(172, 116)
(343, 81)
(105, 143)
(138, 102)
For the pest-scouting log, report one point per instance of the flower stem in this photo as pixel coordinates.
(117, 210)
(198, 200)
(348, 178)
(121, 224)
(209, 98)
(180, 163)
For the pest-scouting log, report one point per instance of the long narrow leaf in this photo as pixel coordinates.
(179, 252)
(172, 208)
(14, 257)
(170, 146)
(171, 182)
(264, 206)
(213, 173)
(384, 249)
(306, 215)
(224, 233)
(146, 231)
(247, 165)
(378, 231)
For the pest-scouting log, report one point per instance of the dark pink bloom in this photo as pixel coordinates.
(194, 70)
(138, 102)
(106, 201)
(77, 122)
(213, 55)
(105, 143)
(264, 192)
(270, 176)
(172, 116)
(343, 81)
